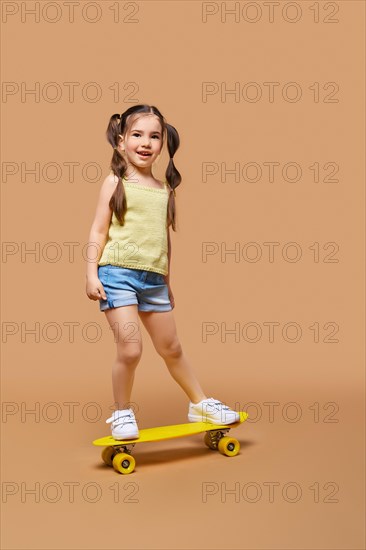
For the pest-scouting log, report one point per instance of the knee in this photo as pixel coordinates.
(129, 355)
(172, 350)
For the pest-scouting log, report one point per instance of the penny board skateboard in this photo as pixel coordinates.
(117, 453)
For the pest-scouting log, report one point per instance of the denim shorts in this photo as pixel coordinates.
(125, 286)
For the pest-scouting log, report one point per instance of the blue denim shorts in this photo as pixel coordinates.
(125, 286)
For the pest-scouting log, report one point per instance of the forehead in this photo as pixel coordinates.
(148, 123)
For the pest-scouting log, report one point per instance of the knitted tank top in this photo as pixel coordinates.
(142, 242)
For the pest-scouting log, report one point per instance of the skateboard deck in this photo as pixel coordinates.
(117, 452)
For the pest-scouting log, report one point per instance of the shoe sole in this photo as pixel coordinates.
(197, 418)
(127, 436)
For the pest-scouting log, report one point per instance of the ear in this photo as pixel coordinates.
(120, 143)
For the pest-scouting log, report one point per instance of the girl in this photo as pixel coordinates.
(130, 275)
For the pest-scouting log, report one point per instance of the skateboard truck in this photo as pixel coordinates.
(213, 437)
(124, 448)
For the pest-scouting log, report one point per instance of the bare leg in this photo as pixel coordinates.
(126, 329)
(162, 330)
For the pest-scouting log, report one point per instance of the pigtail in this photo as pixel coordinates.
(117, 203)
(172, 175)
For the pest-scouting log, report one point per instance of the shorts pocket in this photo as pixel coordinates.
(103, 271)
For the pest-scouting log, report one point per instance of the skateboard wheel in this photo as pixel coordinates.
(229, 446)
(124, 463)
(107, 456)
(208, 441)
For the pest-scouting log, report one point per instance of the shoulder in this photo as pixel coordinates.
(110, 181)
(108, 186)
(111, 178)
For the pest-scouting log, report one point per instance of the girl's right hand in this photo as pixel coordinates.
(95, 290)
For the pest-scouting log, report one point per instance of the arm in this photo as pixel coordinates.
(167, 277)
(99, 230)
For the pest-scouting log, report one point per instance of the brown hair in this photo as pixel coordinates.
(119, 124)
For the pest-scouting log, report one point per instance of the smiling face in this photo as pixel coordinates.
(143, 142)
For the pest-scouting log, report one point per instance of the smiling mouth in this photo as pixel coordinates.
(143, 154)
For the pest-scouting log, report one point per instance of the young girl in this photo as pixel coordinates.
(130, 275)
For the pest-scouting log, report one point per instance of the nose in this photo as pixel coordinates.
(146, 142)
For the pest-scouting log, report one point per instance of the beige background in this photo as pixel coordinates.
(168, 52)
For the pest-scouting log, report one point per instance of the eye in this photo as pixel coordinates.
(137, 134)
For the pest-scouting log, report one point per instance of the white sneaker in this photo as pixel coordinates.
(124, 424)
(213, 411)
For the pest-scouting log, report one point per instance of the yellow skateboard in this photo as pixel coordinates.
(117, 453)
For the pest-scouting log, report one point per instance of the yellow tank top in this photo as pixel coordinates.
(142, 242)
